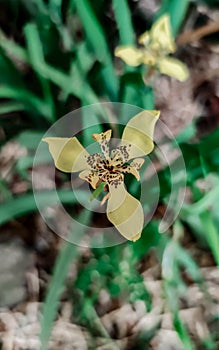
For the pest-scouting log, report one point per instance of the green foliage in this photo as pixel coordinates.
(67, 255)
(62, 57)
(176, 10)
(124, 22)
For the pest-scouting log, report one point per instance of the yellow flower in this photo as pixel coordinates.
(123, 210)
(157, 43)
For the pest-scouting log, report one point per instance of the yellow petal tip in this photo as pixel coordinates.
(136, 237)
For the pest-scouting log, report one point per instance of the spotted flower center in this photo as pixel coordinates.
(107, 168)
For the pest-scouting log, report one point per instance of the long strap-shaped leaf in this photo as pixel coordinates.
(35, 50)
(67, 255)
(124, 22)
(130, 93)
(176, 9)
(25, 204)
(97, 40)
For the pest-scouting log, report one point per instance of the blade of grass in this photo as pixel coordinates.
(84, 57)
(98, 191)
(55, 10)
(48, 72)
(30, 101)
(127, 37)
(97, 40)
(124, 22)
(67, 255)
(203, 204)
(35, 51)
(177, 11)
(25, 204)
(90, 120)
(148, 98)
(11, 107)
(211, 234)
(74, 83)
(182, 332)
(10, 75)
(13, 49)
(69, 83)
(95, 324)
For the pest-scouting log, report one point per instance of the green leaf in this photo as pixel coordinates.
(148, 98)
(182, 332)
(211, 233)
(85, 57)
(124, 22)
(67, 255)
(97, 40)
(30, 101)
(203, 204)
(93, 30)
(177, 11)
(98, 191)
(133, 92)
(12, 48)
(55, 10)
(25, 204)
(30, 139)
(10, 76)
(10, 107)
(36, 55)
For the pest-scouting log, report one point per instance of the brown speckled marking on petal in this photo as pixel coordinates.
(120, 155)
(133, 168)
(91, 177)
(137, 163)
(103, 139)
(95, 160)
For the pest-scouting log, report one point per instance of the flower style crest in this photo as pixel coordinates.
(123, 210)
(157, 43)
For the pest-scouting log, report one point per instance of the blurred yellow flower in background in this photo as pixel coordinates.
(157, 43)
(123, 210)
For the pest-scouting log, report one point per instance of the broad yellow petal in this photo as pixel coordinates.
(138, 134)
(174, 68)
(125, 212)
(130, 55)
(90, 177)
(68, 153)
(161, 35)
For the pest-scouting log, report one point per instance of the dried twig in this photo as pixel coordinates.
(196, 34)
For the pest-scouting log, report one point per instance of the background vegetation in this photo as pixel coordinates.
(56, 56)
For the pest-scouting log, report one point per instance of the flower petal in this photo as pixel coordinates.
(161, 35)
(90, 177)
(119, 155)
(130, 55)
(125, 212)
(103, 139)
(133, 168)
(173, 67)
(137, 163)
(144, 38)
(68, 153)
(138, 133)
(149, 58)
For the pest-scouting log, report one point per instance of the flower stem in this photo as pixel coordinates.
(98, 191)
